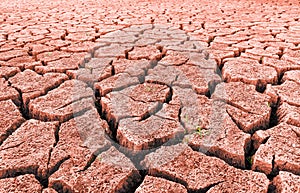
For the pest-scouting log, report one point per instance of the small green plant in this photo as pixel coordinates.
(88, 67)
(185, 131)
(148, 88)
(199, 131)
(99, 158)
(202, 132)
(268, 104)
(186, 118)
(249, 160)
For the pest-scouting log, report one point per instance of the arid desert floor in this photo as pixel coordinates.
(149, 96)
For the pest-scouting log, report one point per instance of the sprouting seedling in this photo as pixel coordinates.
(99, 158)
(268, 104)
(250, 160)
(186, 118)
(88, 67)
(199, 130)
(261, 60)
(185, 131)
(49, 53)
(148, 88)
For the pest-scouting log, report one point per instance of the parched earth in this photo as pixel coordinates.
(149, 96)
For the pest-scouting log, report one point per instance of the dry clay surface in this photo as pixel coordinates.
(149, 96)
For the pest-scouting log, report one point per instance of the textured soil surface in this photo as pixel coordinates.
(149, 96)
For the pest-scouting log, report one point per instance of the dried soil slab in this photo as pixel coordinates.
(199, 172)
(26, 150)
(171, 109)
(36, 49)
(148, 92)
(79, 47)
(96, 63)
(8, 92)
(248, 108)
(154, 184)
(248, 71)
(62, 103)
(184, 47)
(280, 66)
(168, 42)
(288, 114)
(292, 56)
(186, 76)
(79, 138)
(122, 39)
(174, 58)
(64, 63)
(135, 68)
(113, 50)
(287, 92)
(196, 109)
(24, 62)
(81, 36)
(12, 54)
(196, 77)
(203, 61)
(146, 41)
(242, 185)
(6, 72)
(117, 106)
(278, 149)
(163, 74)
(115, 83)
(33, 85)
(110, 172)
(287, 182)
(52, 56)
(25, 183)
(49, 190)
(56, 40)
(135, 101)
(148, 52)
(95, 70)
(263, 52)
(222, 139)
(146, 134)
(293, 75)
(250, 56)
(220, 55)
(11, 119)
(137, 28)
(121, 33)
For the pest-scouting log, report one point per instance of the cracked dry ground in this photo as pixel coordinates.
(149, 96)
